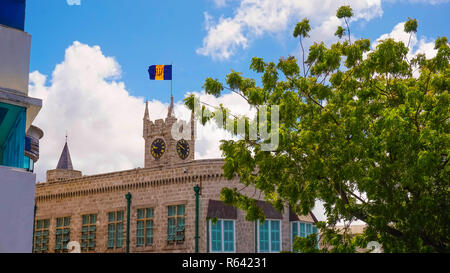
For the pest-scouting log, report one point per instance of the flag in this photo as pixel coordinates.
(160, 72)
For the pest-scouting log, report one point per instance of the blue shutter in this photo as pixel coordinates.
(294, 231)
(228, 236)
(308, 230)
(302, 230)
(275, 235)
(264, 237)
(216, 236)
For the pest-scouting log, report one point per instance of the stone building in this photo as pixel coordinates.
(155, 206)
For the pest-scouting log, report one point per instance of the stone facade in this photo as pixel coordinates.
(163, 183)
(164, 129)
(61, 174)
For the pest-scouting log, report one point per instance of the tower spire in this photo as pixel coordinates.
(146, 115)
(193, 133)
(65, 162)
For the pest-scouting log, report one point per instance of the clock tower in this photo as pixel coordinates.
(168, 141)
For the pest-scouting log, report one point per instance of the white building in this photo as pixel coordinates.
(19, 140)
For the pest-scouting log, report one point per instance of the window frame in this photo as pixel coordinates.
(270, 235)
(177, 232)
(42, 237)
(89, 232)
(306, 234)
(116, 224)
(145, 219)
(63, 227)
(222, 233)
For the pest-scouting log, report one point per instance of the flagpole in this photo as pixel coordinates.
(171, 63)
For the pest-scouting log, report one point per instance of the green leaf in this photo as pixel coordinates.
(288, 66)
(340, 32)
(410, 25)
(234, 80)
(367, 139)
(257, 65)
(302, 29)
(344, 11)
(213, 87)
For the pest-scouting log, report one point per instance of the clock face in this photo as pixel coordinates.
(158, 148)
(183, 149)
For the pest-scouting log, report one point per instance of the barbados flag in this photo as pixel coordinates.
(160, 72)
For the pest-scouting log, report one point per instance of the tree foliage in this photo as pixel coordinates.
(357, 131)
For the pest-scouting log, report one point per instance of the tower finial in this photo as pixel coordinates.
(66, 136)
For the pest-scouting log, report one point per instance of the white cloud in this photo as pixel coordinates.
(104, 122)
(426, 48)
(85, 99)
(223, 39)
(255, 18)
(221, 3)
(73, 2)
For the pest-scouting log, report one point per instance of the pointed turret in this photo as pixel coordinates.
(146, 114)
(64, 170)
(147, 121)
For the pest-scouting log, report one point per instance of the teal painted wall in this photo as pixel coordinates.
(12, 136)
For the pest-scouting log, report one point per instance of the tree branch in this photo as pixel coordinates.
(416, 122)
(348, 28)
(438, 246)
(326, 75)
(303, 56)
(216, 107)
(357, 197)
(409, 40)
(240, 94)
(321, 106)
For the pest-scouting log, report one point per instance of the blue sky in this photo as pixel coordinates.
(139, 33)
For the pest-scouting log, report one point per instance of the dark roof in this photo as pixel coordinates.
(313, 216)
(217, 209)
(64, 160)
(269, 211)
(294, 217)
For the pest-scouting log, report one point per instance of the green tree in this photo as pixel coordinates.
(357, 131)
